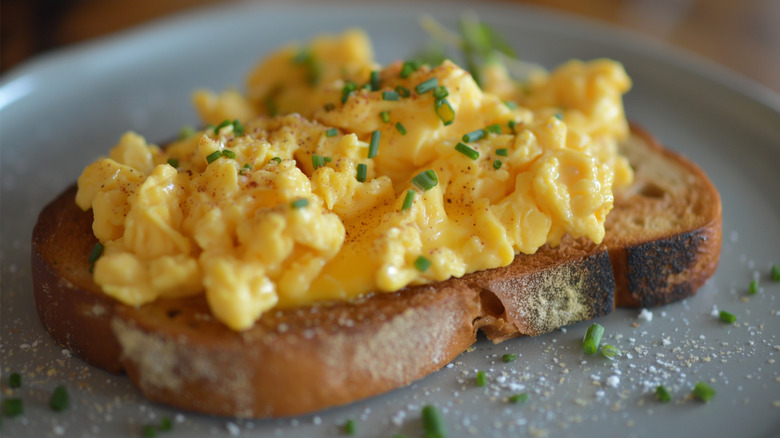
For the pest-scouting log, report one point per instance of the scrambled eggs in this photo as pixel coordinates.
(333, 177)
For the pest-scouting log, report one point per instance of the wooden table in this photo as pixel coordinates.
(743, 35)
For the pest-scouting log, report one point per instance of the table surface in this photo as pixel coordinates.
(740, 34)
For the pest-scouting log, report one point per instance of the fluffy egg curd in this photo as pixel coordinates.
(333, 177)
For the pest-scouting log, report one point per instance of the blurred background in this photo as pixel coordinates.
(743, 35)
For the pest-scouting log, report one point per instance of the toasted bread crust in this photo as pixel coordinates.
(300, 360)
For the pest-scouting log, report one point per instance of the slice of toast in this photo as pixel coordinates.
(663, 242)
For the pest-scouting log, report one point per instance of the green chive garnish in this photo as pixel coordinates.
(225, 123)
(374, 80)
(425, 180)
(609, 351)
(213, 156)
(495, 128)
(703, 391)
(13, 407)
(327, 159)
(97, 251)
(247, 168)
(433, 423)
(15, 380)
(497, 164)
(753, 288)
(426, 86)
(422, 264)
(502, 152)
(509, 357)
(481, 378)
(775, 273)
(227, 153)
(510, 104)
(238, 128)
(173, 162)
(385, 116)
(518, 398)
(317, 161)
(165, 424)
(332, 132)
(300, 203)
(592, 338)
(467, 151)
(408, 200)
(727, 317)
(329, 107)
(444, 111)
(440, 92)
(348, 88)
(662, 394)
(559, 115)
(301, 56)
(362, 170)
(390, 95)
(402, 91)
(373, 146)
(408, 68)
(473, 136)
(186, 132)
(59, 400)
(511, 124)
(350, 427)
(400, 128)
(277, 159)
(149, 431)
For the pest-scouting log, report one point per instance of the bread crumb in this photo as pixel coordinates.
(646, 315)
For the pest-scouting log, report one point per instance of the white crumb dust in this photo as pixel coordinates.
(646, 315)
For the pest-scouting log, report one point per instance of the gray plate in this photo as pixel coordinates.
(61, 111)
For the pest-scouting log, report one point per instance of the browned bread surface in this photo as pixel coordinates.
(299, 360)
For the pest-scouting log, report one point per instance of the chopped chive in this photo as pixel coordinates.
(727, 317)
(518, 398)
(247, 166)
(502, 152)
(495, 128)
(96, 252)
(13, 407)
(15, 380)
(373, 146)
(165, 424)
(173, 162)
(609, 351)
(408, 200)
(362, 170)
(425, 180)
(329, 107)
(301, 56)
(775, 273)
(349, 427)
(559, 115)
(149, 431)
(511, 104)
(400, 128)
(225, 123)
(440, 92)
(238, 128)
(186, 132)
(390, 95)
(509, 357)
(227, 153)
(703, 391)
(332, 132)
(59, 400)
(753, 288)
(497, 164)
(317, 161)
(213, 156)
(327, 159)
(592, 338)
(422, 264)
(473, 136)
(300, 203)
(385, 116)
(433, 423)
(270, 105)
(444, 111)
(467, 151)
(408, 68)
(277, 159)
(348, 88)
(402, 91)
(511, 124)
(427, 85)
(662, 394)
(374, 80)
(481, 378)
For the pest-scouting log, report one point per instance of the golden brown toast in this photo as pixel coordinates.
(663, 242)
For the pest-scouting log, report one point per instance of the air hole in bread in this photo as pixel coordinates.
(491, 305)
(173, 313)
(652, 190)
